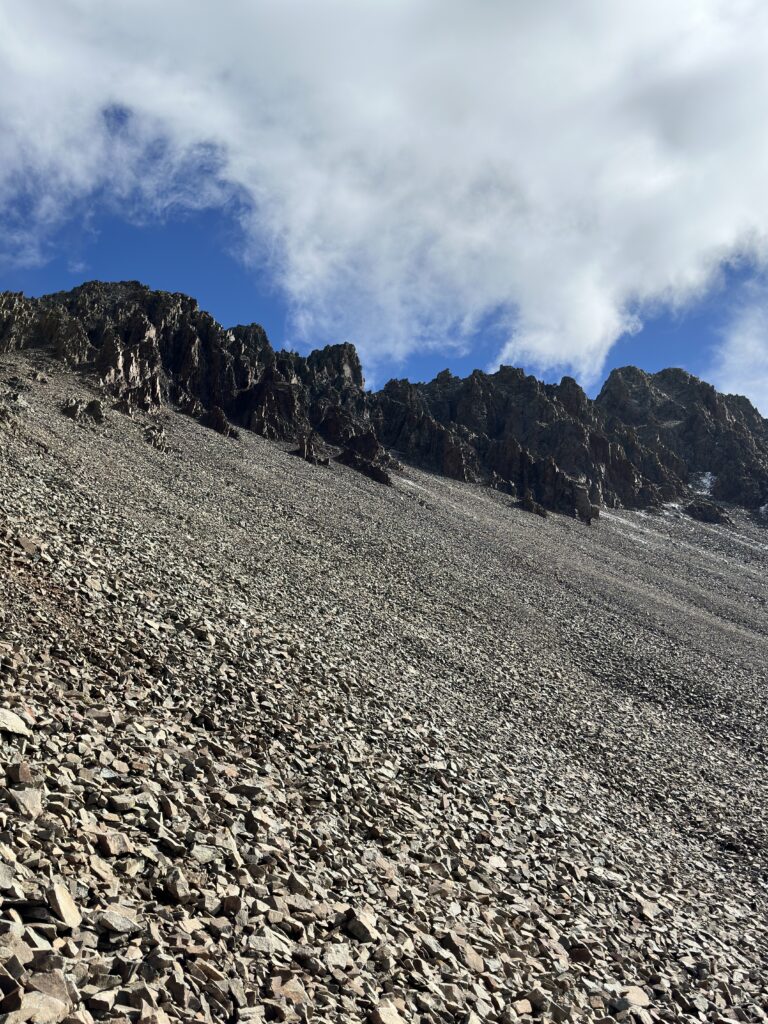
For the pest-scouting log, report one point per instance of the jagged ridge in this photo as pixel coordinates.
(643, 441)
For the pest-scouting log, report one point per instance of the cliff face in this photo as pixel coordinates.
(646, 439)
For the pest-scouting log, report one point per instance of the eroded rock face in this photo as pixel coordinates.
(643, 441)
(694, 429)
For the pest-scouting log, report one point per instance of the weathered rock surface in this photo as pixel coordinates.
(644, 441)
(279, 743)
(722, 436)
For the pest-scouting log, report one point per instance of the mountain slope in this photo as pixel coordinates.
(647, 439)
(305, 746)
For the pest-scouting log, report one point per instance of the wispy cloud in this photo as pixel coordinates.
(409, 169)
(740, 365)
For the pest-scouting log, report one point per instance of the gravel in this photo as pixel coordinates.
(282, 743)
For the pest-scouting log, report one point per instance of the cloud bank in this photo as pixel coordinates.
(410, 169)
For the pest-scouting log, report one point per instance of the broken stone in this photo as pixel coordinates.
(635, 996)
(385, 1013)
(27, 801)
(11, 723)
(63, 906)
(121, 924)
(177, 885)
(361, 925)
(38, 1008)
(115, 844)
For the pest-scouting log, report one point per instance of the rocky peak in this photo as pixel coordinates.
(573, 398)
(338, 364)
(627, 395)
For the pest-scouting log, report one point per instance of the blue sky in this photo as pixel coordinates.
(200, 253)
(564, 186)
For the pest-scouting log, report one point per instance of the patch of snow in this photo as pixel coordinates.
(704, 482)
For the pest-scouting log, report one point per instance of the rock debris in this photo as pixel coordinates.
(282, 744)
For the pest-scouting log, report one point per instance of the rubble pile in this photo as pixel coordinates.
(281, 744)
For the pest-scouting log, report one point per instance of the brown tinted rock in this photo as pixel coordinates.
(117, 922)
(385, 1013)
(64, 906)
(38, 1008)
(707, 512)
(115, 844)
(28, 801)
(11, 723)
(94, 410)
(635, 996)
(177, 885)
(20, 773)
(361, 925)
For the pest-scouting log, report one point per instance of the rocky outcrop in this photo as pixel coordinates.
(644, 440)
(698, 430)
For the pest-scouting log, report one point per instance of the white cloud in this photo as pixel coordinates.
(412, 166)
(741, 362)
